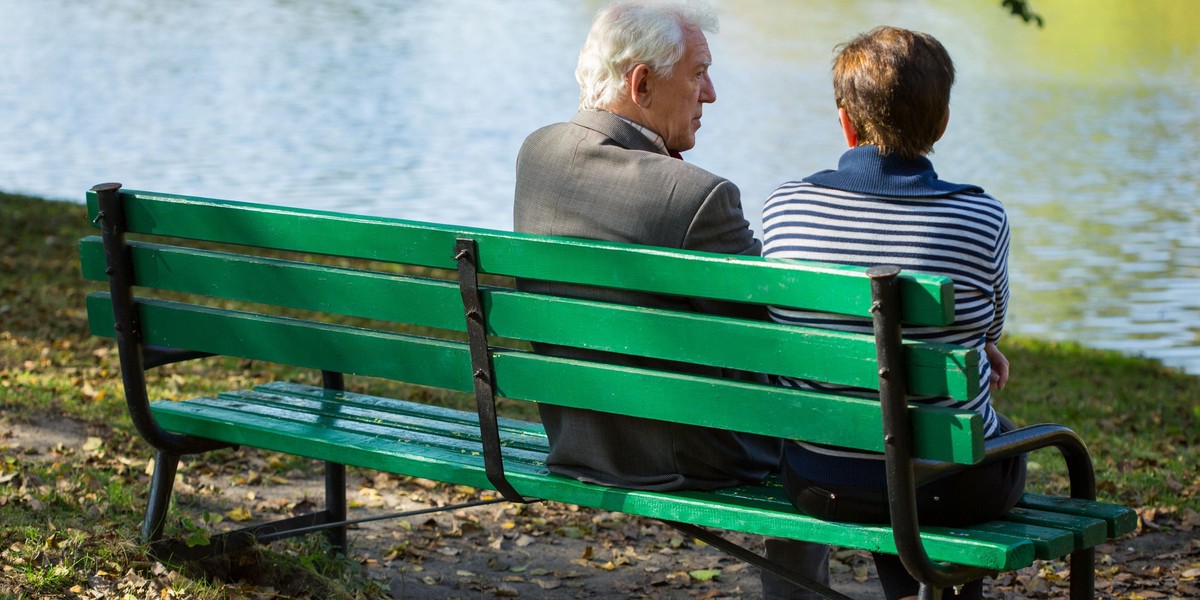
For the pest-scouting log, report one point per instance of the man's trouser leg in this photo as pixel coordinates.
(811, 560)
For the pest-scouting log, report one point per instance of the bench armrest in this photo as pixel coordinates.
(133, 354)
(902, 478)
(1023, 441)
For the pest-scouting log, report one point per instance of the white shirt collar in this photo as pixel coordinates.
(650, 135)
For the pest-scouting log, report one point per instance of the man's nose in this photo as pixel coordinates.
(708, 92)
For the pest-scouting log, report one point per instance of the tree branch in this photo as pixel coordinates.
(1021, 9)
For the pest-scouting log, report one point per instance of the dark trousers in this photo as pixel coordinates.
(981, 493)
(811, 560)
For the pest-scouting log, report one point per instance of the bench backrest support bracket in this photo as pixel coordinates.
(466, 254)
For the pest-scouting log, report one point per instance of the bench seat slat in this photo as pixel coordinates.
(836, 357)
(531, 434)
(358, 443)
(942, 434)
(928, 299)
(1119, 519)
(1088, 532)
(1048, 542)
(754, 509)
(385, 419)
(318, 423)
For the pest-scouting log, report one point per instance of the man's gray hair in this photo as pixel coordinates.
(627, 34)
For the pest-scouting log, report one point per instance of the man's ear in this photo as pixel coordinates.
(848, 129)
(638, 81)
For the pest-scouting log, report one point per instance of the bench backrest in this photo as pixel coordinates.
(298, 274)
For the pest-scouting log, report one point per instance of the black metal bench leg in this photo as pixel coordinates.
(335, 480)
(1083, 574)
(161, 484)
(335, 505)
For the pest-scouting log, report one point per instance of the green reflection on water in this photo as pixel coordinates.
(1104, 40)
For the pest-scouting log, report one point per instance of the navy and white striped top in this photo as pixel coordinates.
(885, 210)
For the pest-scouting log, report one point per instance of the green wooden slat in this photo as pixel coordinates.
(412, 359)
(941, 434)
(953, 435)
(528, 433)
(293, 284)
(384, 416)
(927, 299)
(1119, 520)
(834, 357)
(1088, 532)
(964, 546)
(804, 353)
(339, 426)
(1048, 542)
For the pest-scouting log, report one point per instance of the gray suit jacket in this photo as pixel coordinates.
(597, 177)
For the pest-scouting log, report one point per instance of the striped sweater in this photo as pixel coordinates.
(885, 210)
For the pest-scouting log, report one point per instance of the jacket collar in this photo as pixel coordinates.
(615, 128)
(863, 170)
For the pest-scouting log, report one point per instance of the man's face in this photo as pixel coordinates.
(677, 100)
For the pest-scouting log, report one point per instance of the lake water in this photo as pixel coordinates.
(1086, 129)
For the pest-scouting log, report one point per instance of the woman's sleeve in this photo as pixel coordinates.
(1000, 280)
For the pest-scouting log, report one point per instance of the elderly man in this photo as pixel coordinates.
(614, 173)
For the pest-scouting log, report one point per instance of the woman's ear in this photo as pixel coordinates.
(848, 128)
(942, 127)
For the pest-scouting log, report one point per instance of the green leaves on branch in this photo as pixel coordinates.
(1021, 9)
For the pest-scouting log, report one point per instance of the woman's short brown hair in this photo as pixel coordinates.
(895, 86)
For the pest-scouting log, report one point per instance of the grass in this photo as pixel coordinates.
(71, 523)
(1141, 420)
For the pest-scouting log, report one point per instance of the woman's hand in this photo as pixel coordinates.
(999, 365)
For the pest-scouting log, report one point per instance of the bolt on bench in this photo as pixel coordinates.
(270, 293)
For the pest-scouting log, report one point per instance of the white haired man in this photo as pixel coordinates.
(613, 173)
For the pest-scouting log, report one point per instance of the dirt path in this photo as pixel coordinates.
(550, 550)
(540, 550)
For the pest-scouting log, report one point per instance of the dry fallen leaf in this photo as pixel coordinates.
(860, 573)
(548, 584)
(239, 514)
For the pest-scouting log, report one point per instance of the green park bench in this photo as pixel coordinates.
(416, 303)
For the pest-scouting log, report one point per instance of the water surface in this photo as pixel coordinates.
(1086, 129)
